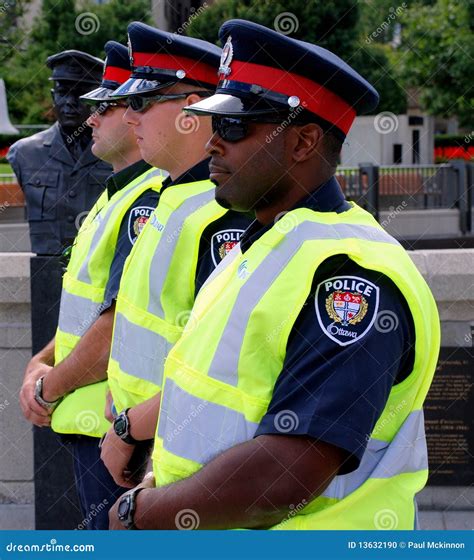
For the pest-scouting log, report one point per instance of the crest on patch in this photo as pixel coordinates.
(226, 57)
(223, 242)
(346, 307)
(136, 222)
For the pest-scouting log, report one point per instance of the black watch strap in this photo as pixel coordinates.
(127, 508)
(122, 427)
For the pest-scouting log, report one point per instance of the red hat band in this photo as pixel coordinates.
(190, 68)
(313, 96)
(116, 74)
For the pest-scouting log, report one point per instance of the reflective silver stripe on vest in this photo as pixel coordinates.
(77, 313)
(225, 363)
(407, 453)
(83, 275)
(166, 246)
(197, 429)
(139, 351)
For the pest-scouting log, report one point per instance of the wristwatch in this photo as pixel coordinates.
(122, 428)
(48, 405)
(127, 507)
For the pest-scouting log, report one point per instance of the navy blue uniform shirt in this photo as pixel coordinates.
(216, 241)
(337, 375)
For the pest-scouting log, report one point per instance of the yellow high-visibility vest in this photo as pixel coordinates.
(219, 377)
(82, 298)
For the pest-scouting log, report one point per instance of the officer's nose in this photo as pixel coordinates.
(93, 120)
(215, 145)
(131, 117)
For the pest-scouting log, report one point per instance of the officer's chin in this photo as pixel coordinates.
(223, 202)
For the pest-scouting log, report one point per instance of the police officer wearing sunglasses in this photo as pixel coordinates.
(186, 237)
(290, 403)
(61, 386)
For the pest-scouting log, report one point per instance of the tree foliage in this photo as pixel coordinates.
(437, 57)
(60, 26)
(337, 26)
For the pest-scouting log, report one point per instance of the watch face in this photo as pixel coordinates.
(123, 507)
(120, 425)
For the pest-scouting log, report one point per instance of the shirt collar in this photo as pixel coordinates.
(199, 172)
(326, 198)
(117, 181)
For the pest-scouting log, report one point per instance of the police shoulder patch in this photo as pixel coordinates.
(223, 242)
(346, 307)
(137, 220)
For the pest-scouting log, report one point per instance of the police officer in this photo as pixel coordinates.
(184, 240)
(302, 378)
(60, 176)
(78, 354)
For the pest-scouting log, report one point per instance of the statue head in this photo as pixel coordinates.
(74, 73)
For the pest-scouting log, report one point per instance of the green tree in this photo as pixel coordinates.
(62, 25)
(438, 50)
(337, 26)
(329, 24)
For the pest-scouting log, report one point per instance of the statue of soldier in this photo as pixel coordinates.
(61, 180)
(56, 169)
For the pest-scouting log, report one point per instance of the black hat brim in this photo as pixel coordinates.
(139, 86)
(229, 106)
(98, 94)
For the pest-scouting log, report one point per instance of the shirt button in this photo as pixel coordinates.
(38, 181)
(70, 219)
(72, 194)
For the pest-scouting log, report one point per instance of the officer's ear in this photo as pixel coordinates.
(192, 98)
(306, 141)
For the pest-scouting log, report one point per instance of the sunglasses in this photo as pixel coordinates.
(234, 129)
(104, 106)
(140, 104)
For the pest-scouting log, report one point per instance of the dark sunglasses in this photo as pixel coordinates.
(104, 106)
(233, 129)
(139, 103)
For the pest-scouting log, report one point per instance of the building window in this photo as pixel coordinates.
(397, 153)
